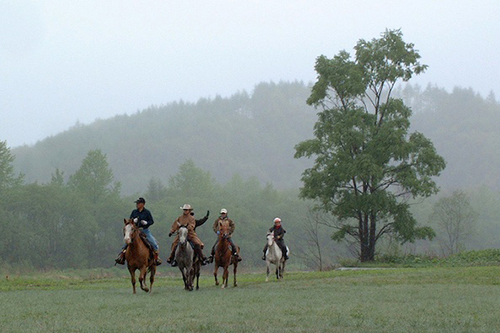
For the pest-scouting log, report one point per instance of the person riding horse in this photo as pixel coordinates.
(143, 219)
(279, 233)
(224, 219)
(187, 220)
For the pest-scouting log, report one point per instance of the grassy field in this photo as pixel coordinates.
(438, 299)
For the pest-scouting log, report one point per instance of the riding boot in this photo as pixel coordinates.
(264, 256)
(234, 249)
(121, 257)
(157, 259)
(171, 260)
(285, 254)
(212, 254)
(200, 255)
(237, 256)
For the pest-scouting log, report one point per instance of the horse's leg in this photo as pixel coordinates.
(267, 274)
(184, 278)
(152, 278)
(142, 278)
(225, 276)
(216, 268)
(283, 268)
(198, 279)
(235, 268)
(132, 277)
(190, 278)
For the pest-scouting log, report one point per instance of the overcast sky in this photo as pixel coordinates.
(67, 61)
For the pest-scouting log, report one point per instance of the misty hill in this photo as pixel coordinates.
(255, 134)
(246, 135)
(465, 130)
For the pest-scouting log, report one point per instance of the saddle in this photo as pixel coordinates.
(147, 243)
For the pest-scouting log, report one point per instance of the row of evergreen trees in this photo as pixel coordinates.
(76, 221)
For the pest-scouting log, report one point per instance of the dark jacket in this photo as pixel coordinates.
(145, 215)
(279, 233)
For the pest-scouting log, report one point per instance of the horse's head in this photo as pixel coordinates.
(129, 231)
(270, 238)
(224, 230)
(183, 234)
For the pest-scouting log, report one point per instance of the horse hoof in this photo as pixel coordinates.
(146, 289)
(223, 287)
(236, 285)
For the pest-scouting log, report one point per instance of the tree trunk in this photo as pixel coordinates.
(367, 237)
(364, 239)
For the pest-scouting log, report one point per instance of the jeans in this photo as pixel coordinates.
(150, 238)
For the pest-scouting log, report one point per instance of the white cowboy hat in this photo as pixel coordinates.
(277, 220)
(223, 211)
(187, 206)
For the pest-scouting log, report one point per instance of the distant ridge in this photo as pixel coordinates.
(255, 134)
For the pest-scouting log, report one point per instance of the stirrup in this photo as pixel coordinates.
(120, 259)
(174, 263)
(264, 257)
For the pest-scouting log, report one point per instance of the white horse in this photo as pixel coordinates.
(274, 256)
(184, 258)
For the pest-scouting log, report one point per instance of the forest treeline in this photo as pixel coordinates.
(77, 223)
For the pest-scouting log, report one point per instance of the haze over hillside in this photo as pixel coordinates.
(255, 134)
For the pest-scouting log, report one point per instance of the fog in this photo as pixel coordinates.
(63, 62)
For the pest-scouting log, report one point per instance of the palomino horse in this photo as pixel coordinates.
(189, 264)
(138, 256)
(224, 258)
(275, 256)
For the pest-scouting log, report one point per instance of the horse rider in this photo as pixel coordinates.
(187, 220)
(143, 219)
(224, 219)
(279, 233)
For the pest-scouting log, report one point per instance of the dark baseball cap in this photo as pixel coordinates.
(140, 200)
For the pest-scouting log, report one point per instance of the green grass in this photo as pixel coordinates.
(438, 299)
(489, 257)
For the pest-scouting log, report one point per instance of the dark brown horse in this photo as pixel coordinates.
(224, 258)
(138, 256)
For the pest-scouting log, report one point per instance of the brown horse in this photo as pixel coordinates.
(138, 256)
(224, 258)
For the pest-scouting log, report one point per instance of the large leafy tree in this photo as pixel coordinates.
(367, 164)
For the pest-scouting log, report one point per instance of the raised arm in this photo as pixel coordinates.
(203, 220)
